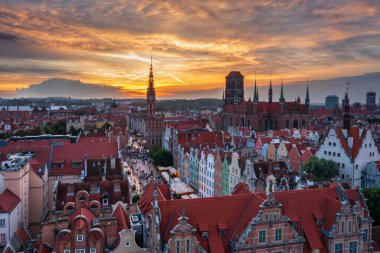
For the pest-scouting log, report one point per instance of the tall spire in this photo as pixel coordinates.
(151, 93)
(346, 114)
(151, 81)
(270, 89)
(255, 97)
(307, 99)
(282, 99)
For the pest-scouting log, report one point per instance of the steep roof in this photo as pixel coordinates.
(357, 136)
(8, 201)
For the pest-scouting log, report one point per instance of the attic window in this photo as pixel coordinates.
(105, 201)
(319, 222)
(204, 235)
(82, 198)
(223, 233)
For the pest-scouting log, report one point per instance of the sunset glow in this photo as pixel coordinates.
(193, 45)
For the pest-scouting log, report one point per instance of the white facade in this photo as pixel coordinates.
(350, 168)
(202, 174)
(9, 223)
(234, 171)
(210, 175)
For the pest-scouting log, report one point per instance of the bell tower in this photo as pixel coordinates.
(151, 93)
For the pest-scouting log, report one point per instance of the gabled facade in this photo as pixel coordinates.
(234, 171)
(351, 149)
(218, 177)
(225, 176)
(286, 221)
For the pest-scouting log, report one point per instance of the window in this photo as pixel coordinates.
(325, 152)
(278, 234)
(2, 223)
(350, 226)
(223, 233)
(262, 236)
(178, 247)
(329, 153)
(329, 143)
(127, 244)
(339, 248)
(80, 251)
(187, 246)
(93, 250)
(105, 201)
(342, 227)
(77, 165)
(353, 248)
(2, 237)
(338, 154)
(365, 235)
(66, 251)
(204, 235)
(80, 238)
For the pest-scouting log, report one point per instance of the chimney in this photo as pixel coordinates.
(70, 190)
(94, 187)
(116, 185)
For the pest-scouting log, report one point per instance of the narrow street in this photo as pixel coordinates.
(137, 168)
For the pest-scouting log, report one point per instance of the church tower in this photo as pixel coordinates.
(307, 99)
(282, 98)
(151, 94)
(270, 91)
(346, 114)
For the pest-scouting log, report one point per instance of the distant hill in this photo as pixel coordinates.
(68, 88)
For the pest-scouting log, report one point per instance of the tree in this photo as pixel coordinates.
(373, 199)
(321, 168)
(161, 157)
(135, 198)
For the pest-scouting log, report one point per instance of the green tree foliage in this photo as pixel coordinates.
(58, 128)
(373, 199)
(161, 157)
(73, 131)
(135, 198)
(321, 168)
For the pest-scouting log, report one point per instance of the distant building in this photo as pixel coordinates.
(153, 124)
(331, 102)
(261, 115)
(371, 100)
(350, 147)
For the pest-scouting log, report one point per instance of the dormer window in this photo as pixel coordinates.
(223, 233)
(319, 222)
(204, 235)
(105, 201)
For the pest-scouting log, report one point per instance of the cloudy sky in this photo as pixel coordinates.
(194, 44)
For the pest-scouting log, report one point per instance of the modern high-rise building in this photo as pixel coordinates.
(331, 102)
(371, 100)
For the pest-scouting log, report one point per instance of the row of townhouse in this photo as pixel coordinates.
(294, 153)
(211, 172)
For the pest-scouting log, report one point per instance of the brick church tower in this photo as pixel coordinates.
(151, 94)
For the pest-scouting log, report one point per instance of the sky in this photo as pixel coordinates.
(194, 44)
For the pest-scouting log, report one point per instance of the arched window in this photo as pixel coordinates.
(295, 124)
(266, 124)
(82, 197)
(275, 125)
(242, 121)
(287, 124)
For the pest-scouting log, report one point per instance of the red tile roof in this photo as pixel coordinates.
(122, 217)
(235, 213)
(8, 201)
(358, 138)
